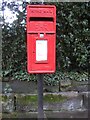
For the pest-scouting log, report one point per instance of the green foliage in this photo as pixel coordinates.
(14, 44)
(73, 35)
(53, 79)
(23, 75)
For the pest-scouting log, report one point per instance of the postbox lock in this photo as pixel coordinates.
(41, 35)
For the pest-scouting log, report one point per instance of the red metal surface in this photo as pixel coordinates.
(41, 19)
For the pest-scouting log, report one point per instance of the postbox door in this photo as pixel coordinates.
(42, 54)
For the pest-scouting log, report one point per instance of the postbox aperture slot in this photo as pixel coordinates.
(41, 19)
(41, 51)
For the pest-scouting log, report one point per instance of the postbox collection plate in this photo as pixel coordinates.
(41, 38)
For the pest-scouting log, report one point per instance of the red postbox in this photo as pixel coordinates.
(41, 38)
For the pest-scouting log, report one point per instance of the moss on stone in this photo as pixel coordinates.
(47, 98)
(54, 98)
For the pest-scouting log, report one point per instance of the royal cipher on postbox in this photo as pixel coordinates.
(41, 38)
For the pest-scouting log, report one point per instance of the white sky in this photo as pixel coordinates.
(9, 16)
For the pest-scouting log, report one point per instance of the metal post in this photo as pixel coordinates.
(40, 97)
(15, 104)
(40, 93)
